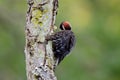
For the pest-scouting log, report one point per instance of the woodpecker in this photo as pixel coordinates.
(62, 41)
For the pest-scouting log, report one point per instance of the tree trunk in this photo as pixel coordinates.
(40, 21)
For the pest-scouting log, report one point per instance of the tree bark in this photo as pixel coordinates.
(40, 21)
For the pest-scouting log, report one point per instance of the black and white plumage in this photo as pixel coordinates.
(62, 41)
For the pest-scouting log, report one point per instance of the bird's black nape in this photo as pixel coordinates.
(65, 25)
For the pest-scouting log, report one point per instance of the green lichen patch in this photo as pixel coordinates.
(36, 13)
(45, 11)
(36, 16)
(40, 23)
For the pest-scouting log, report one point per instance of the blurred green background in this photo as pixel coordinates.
(96, 24)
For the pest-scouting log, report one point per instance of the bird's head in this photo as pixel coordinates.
(65, 25)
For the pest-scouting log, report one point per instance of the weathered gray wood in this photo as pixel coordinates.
(40, 21)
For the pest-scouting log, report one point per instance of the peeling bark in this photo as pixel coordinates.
(40, 21)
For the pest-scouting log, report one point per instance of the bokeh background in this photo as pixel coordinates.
(96, 24)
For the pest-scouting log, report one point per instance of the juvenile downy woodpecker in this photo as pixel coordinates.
(62, 41)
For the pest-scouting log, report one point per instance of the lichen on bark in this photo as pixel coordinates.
(40, 21)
